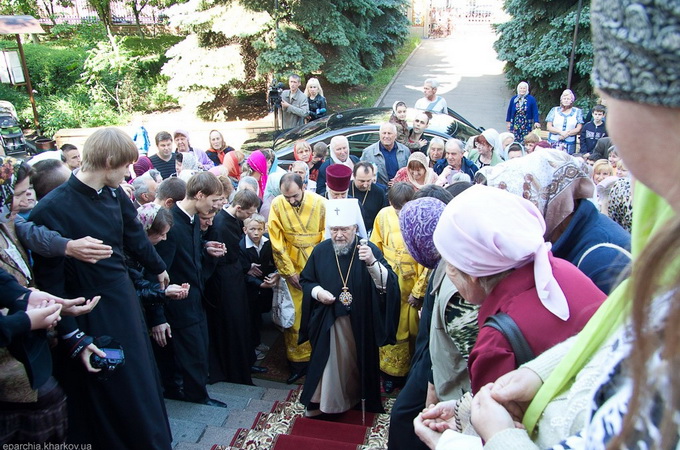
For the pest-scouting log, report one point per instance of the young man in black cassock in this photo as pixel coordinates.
(350, 307)
(127, 410)
(183, 330)
(231, 350)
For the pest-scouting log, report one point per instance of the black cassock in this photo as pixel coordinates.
(231, 349)
(127, 410)
(374, 317)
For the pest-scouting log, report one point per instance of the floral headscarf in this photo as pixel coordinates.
(9, 170)
(147, 214)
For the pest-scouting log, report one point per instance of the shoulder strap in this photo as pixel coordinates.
(508, 328)
(603, 245)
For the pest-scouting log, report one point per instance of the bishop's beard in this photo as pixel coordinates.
(343, 249)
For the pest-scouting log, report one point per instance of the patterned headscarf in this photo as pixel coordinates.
(258, 162)
(9, 170)
(550, 179)
(147, 214)
(636, 49)
(418, 220)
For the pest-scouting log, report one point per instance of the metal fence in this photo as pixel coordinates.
(81, 12)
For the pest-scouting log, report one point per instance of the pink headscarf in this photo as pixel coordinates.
(485, 231)
(258, 162)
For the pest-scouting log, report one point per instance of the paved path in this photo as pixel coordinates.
(470, 75)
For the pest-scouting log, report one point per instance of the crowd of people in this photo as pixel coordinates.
(503, 284)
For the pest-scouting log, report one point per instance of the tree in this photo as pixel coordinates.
(49, 6)
(536, 44)
(342, 41)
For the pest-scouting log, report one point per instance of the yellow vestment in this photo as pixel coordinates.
(395, 360)
(293, 233)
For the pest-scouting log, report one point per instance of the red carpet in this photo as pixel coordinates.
(286, 428)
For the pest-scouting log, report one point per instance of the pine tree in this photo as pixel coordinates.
(536, 45)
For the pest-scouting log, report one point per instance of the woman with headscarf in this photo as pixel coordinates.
(500, 261)
(218, 148)
(230, 167)
(522, 115)
(487, 149)
(142, 166)
(417, 172)
(257, 162)
(564, 123)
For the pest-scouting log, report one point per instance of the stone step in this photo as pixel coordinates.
(197, 426)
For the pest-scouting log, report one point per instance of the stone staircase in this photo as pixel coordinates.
(199, 427)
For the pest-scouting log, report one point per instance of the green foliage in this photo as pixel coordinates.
(82, 35)
(345, 40)
(53, 69)
(342, 41)
(536, 45)
(21, 7)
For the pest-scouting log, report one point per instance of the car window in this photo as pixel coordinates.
(359, 141)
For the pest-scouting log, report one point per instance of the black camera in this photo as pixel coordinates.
(274, 94)
(114, 357)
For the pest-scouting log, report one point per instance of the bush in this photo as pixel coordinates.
(53, 70)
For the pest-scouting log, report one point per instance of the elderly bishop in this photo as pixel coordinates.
(350, 308)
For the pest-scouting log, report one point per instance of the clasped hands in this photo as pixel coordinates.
(496, 407)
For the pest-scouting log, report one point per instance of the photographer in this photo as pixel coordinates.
(294, 104)
(316, 100)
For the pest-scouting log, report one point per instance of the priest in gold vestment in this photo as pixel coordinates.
(296, 224)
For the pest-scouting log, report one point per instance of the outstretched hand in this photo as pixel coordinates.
(88, 249)
(488, 416)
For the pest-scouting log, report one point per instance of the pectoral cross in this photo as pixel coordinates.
(337, 211)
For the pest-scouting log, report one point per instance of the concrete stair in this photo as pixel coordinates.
(199, 427)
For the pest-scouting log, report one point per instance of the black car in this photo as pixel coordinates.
(361, 127)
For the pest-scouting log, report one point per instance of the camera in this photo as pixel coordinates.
(274, 94)
(114, 358)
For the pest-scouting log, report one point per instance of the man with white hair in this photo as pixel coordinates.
(145, 189)
(431, 101)
(349, 309)
(339, 155)
(387, 154)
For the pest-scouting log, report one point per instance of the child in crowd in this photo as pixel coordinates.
(601, 170)
(318, 158)
(530, 141)
(261, 276)
(621, 169)
(398, 118)
(594, 130)
(613, 156)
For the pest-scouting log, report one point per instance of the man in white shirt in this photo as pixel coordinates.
(431, 101)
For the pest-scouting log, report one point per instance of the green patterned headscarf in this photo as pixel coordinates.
(9, 170)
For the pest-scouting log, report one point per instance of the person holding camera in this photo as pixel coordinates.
(294, 104)
(315, 99)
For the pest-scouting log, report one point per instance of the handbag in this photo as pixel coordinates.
(283, 309)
